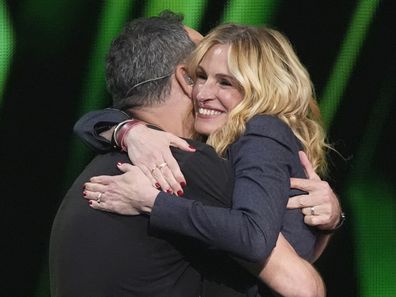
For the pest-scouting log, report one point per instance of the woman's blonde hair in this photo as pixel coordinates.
(273, 82)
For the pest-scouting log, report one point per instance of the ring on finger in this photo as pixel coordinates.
(99, 196)
(160, 166)
(312, 208)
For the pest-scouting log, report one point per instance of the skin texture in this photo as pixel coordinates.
(215, 92)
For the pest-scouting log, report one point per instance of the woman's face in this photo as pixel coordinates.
(216, 92)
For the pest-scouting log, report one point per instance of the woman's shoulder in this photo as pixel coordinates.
(267, 125)
(272, 127)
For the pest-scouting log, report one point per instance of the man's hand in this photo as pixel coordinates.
(321, 206)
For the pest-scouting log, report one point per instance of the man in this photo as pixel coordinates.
(95, 253)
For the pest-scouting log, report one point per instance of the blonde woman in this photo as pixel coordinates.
(254, 102)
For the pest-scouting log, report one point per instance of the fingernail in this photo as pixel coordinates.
(90, 202)
(119, 164)
(84, 194)
(157, 185)
(180, 193)
(169, 191)
(183, 184)
(191, 147)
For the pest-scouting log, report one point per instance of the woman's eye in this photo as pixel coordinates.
(225, 82)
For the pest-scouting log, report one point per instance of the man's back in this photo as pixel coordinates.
(95, 253)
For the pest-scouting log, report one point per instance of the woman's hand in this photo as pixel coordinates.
(149, 150)
(130, 193)
(320, 207)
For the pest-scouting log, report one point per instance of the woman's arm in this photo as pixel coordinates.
(249, 230)
(283, 263)
(96, 128)
(90, 126)
(240, 230)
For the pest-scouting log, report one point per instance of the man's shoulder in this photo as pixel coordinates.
(104, 164)
(209, 177)
(203, 152)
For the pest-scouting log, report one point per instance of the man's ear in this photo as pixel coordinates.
(184, 80)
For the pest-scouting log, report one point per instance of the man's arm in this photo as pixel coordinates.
(289, 275)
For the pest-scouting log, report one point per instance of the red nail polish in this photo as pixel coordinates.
(157, 185)
(183, 184)
(169, 191)
(84, 194)
(90, 202)
(180, 193)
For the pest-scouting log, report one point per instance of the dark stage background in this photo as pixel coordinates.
(51, 72)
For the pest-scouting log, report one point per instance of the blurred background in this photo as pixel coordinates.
(51, 72)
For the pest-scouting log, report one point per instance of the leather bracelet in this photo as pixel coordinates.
(340, 223)
(123, 128)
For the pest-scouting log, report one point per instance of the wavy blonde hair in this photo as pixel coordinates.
(273, 82)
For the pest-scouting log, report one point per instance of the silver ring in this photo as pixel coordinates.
(160, 166)
(312, 210)
(99, 196)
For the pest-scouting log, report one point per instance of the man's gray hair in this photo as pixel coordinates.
(143, 57)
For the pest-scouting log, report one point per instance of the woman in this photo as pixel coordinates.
(252, 98)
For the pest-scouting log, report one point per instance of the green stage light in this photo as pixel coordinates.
(191, 9)
(250, 12)
(113, 17)
(6, 46)
(346, 60)
(374, 207)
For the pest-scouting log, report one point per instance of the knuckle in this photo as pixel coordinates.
(326, 184)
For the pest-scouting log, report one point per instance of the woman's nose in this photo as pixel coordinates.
(206, 91)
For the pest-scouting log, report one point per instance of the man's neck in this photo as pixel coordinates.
(172, 118)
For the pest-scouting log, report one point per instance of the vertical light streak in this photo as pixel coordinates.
(374, 207)
(113, 17)
(346, 60)
(6, 46)
(250, 12)
(191, 9)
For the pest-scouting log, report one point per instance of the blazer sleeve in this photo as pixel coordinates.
(249, 230)
(91, 124)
